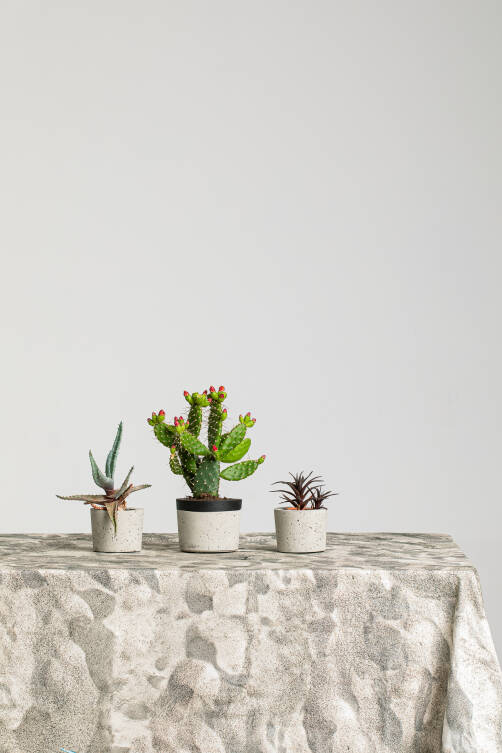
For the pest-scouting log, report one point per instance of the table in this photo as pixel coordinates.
(378, 645)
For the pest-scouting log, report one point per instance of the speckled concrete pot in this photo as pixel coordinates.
(208, 525)
(129, 530)
(301, 531)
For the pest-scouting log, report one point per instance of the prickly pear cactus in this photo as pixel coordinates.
(199, 463)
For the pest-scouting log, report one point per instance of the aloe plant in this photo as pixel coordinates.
(199, 463)
(112, 500)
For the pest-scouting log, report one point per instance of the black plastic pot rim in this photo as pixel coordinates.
(208, 505)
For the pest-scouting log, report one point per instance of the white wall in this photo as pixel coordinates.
(299, 200)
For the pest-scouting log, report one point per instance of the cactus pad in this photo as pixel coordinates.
(195, 420)
(214, 424)
(192, 445)
(174, 463)
(233, 438)
(207, 478)
(165, 433)
(240, 470)
(237, 452)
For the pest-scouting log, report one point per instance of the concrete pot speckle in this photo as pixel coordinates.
(208, 525)
(301, 531)
(129, 533)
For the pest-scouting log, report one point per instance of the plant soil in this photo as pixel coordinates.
(203, 497)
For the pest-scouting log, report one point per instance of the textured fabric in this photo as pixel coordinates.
(379, 644)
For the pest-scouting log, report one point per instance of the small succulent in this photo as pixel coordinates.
(304, 492)
(199, 463)
(320, 495)
(113, 499)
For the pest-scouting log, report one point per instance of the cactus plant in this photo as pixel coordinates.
(304, 492)
(112, 500)
(199, 463)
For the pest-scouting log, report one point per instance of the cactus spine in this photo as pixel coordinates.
(199, 463)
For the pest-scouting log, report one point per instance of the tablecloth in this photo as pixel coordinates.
(380, 644)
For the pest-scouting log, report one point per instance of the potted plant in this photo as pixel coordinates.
(115, 527)
(206, 521)
(301, 526)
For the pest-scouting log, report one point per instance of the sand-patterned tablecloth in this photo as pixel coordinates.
(378, 645)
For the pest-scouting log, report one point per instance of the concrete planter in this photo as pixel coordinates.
(129, 531)
(208, 525)
(301, 531)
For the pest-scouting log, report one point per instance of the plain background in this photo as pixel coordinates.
(297, 200)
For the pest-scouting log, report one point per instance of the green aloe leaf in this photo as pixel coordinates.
(138, 488)
(99, 478)
(112, 455)
(87, 498)
(111, 509)
(125, 483)
(237, 453)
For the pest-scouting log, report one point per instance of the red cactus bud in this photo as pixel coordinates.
(222, 389)
(214, 448)
(149, 420)
(176, 421)
(211, 389)
(154, 415)
(210, 400)
(173, 447)
(186, 393)
(205, 392)
(263, 457)
(162, 413)
(224, 410)
(248, 414)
